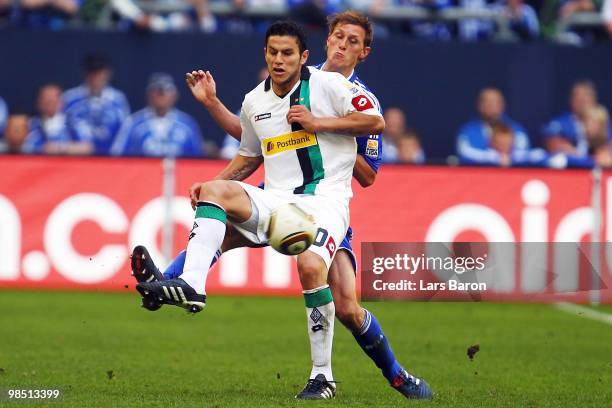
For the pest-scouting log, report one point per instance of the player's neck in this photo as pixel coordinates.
(281, 90)
(346, 72)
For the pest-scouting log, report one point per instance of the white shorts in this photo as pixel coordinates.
(331, 216)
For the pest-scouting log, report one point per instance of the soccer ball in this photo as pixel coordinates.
(291, 230)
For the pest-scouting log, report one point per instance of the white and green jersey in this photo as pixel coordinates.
(297, 161)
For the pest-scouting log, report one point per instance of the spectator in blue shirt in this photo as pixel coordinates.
(51, 14)
(522, 18)
(473, 29)
(50, 132)
(565, 133)
(159, 129)
(95, 109)
(3, 115)
(474, 139)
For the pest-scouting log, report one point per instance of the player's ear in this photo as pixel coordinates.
(304, 58)
(364, 53)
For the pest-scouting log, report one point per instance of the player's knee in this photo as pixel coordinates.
(217, 191)
(311, 270)
(348, 312)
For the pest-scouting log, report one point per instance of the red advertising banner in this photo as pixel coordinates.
(71, 222)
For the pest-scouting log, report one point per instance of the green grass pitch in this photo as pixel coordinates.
(103, 350)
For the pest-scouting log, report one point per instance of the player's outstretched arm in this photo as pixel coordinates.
(354, 124)
(204, 89)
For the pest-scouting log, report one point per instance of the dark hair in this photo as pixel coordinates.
(95, 62)
(288, 28)
(355, 18)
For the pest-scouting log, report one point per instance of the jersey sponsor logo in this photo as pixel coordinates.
(372, 148)
(362, 103)
(263, 116)
(289, 141)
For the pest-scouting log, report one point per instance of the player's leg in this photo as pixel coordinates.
(233, 239)
(366, 329)
(218, 200)
(320, 312)
(331, 217)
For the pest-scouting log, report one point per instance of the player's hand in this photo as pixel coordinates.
(202, 86)
(300, 114)
(194, 194)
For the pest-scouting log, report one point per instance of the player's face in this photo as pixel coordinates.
(284, 60)
(346, 47)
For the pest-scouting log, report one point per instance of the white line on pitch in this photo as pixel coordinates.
(583, 311)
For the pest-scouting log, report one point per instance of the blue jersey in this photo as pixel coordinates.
(97, 118)
(144, 133)
(54, 130)
(3, 116)
(568, 127)
(369, 147)
(474, 139)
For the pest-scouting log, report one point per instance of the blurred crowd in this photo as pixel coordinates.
(95, 118)
(573, 21)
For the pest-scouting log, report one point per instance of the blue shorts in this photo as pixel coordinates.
(346, 245)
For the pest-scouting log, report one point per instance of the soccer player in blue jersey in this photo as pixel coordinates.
(348, 43)
(96, 109)
(159, 129)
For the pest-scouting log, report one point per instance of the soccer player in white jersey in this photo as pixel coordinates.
(348, 43)
(309, 161)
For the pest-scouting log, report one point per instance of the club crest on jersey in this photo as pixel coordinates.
(372, 148)
(263, 116)
(290, 141)
(362, 103)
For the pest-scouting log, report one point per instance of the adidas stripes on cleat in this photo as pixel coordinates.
(412, 387)
(317, 388)
(173, 292)
(143, 267)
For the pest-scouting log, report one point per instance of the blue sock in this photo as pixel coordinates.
(374, 343)
(175, 269)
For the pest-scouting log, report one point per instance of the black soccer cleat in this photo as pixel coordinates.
(173, 292)
(412, 387)
(143, 267)
(317, 388)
